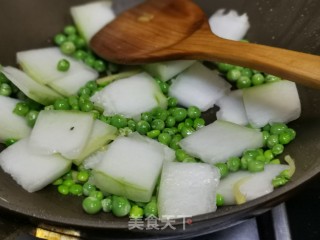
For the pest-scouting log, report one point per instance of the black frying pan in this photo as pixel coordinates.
(289, 24)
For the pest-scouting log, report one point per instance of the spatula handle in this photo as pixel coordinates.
(295, 66)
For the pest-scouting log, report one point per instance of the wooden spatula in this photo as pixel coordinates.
(178, 29)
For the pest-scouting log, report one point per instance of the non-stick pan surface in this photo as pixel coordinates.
(289, 24)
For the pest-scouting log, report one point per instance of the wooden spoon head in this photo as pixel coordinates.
(140, 34)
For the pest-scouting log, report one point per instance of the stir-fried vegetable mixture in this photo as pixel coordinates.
(136, 143)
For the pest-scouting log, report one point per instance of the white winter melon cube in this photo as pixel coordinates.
(11, 125)
(91, 17)
(130, 96)
(227, 183)
(260, 183)
(187, 189)
(101, 134)
(168, 69)
(34, 90)
(64, 132)
(220, 140)
(229, 25)
(272, 103)
(31, 170)
(130, 167)
(232, 108)
(199, 86)
(41, 65)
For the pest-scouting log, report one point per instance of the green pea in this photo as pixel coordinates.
(70, 29)
(10, 141)
(21, 109)
(172, 102)
(188, 122)
(243, 82)
(84, 91)
(233, 75)
(80, 42)
(92, 85)
(164, 87)
(58, 182)
(174, 144)
(251, 153)
(180, 126)
(179, 114)
(272, 140)
(279, 181)
(105, 119)
(120, 206)
(88, 188)
(153, 133)
(181, 155)
(147, 117)
(79, 54)
(59, 39)
(91, 205)
(278, 128)
(285, 174)
(89, 60)
(83, 176)
(62, 104)
(63, 189)
(143, 127)
(164, 138)
(31, 117)
(68, 182)
(68, 175)
(158, 124)
(5, 89)
(277, 149)
(170, 121)
(246, 72)
(223, 168)
(292, 133)
(172, 131)
(219, 200)
(275, 161)
(194, 112)
(186, 131)
(151, 209)
(72, 38)
(75, 189)
(86, 106)
(68, 47)
(244, 163)
(255, 166)
(270, 78)
(159, 113)
(73, 101)
(107, 204)
(224, 67)
(257, 79)
(136, 212)
(96, 194)
(63, 65)
(268, 155)
(119, 121)
(198, 123)
(132, 124)
(99, 65)
(233, 164)
(265, 135)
